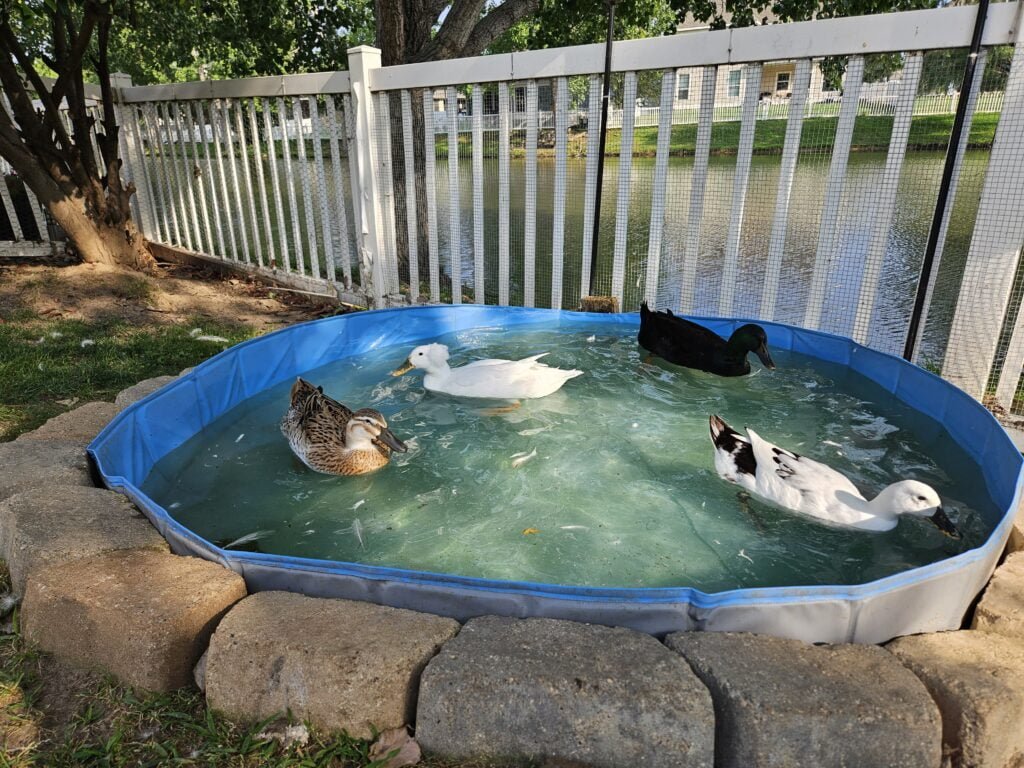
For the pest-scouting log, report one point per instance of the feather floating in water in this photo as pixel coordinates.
(532, 432)
(518, 462)
(239, 438)
(357, 530)
(574, 528)
(358, 504)
(248, 538)
(744, 555)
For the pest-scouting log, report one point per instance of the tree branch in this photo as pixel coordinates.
(9, 44)
(449, 41)
(496, 23)
(74, 55)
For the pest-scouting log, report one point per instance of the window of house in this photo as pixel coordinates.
(683, 88)
(782, 81)
(734, 83)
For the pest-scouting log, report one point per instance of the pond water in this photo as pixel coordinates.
(904, 250)
(621, 492)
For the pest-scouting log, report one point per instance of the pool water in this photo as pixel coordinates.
(622, 490)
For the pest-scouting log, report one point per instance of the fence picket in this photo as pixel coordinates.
(478, 196)
(590, 190)
(828, 228)
(411, 219)
(558, 216)
(885, 198)
(668, 90)
(787, 170)
(454, 228)
(698, 187)
(503, 194)
(430, 171)
(730, 268)
(250, 194)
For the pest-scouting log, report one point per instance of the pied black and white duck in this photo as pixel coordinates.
(690, 345)
(811, 488)
(330, 437)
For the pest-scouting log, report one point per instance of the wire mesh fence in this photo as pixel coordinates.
(801, 191)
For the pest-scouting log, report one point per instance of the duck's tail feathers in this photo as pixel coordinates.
(533, 358)
(739, 448)
(720, 430)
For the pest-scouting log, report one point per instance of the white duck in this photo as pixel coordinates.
(491, 378)
(811, 488)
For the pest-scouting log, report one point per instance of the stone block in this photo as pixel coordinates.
(341, 664)
(26, 464)
(79, 426)
(144, 616)
(783, 702)
(558, 691)
(48, 525)
(138, 391)
(977, 679)
(1001, 609)
(1016, 541)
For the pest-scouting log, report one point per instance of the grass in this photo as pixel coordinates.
(46, 364)
(870, 134)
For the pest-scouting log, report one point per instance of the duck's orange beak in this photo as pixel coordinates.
(404, 368)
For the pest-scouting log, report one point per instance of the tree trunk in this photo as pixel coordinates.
(101, 242)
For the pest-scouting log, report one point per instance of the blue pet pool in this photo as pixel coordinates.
(598, 503)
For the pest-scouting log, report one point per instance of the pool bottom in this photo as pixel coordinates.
(928, 598)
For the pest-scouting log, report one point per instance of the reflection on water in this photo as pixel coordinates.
(898, 277)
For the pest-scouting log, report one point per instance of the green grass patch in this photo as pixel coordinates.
(49, 366)
(870, 134)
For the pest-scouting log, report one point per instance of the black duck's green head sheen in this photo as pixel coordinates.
(752, 338)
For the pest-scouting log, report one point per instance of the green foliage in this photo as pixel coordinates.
(577, 22)
(160, 41)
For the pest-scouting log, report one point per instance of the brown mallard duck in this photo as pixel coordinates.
(330, 437)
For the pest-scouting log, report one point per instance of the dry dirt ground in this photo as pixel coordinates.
(178, 295)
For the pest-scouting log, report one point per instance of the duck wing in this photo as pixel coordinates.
(802, 484)
(502, 379)
(679, 340)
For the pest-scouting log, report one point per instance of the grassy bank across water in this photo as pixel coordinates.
(870, 134)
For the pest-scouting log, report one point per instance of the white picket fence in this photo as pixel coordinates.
(310, 178)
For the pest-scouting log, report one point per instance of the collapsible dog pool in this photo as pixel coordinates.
(598, 503)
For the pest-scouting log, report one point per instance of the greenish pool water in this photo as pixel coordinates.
(622, 491)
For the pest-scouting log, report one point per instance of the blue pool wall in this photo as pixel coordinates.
(925, 599)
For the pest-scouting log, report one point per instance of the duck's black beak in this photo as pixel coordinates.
(387, 437)
(403, 368)
(941, 521)
(762, 353)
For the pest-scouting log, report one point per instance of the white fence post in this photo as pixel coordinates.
(361, 60)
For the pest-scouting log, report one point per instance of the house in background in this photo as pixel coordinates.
(776, 77)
